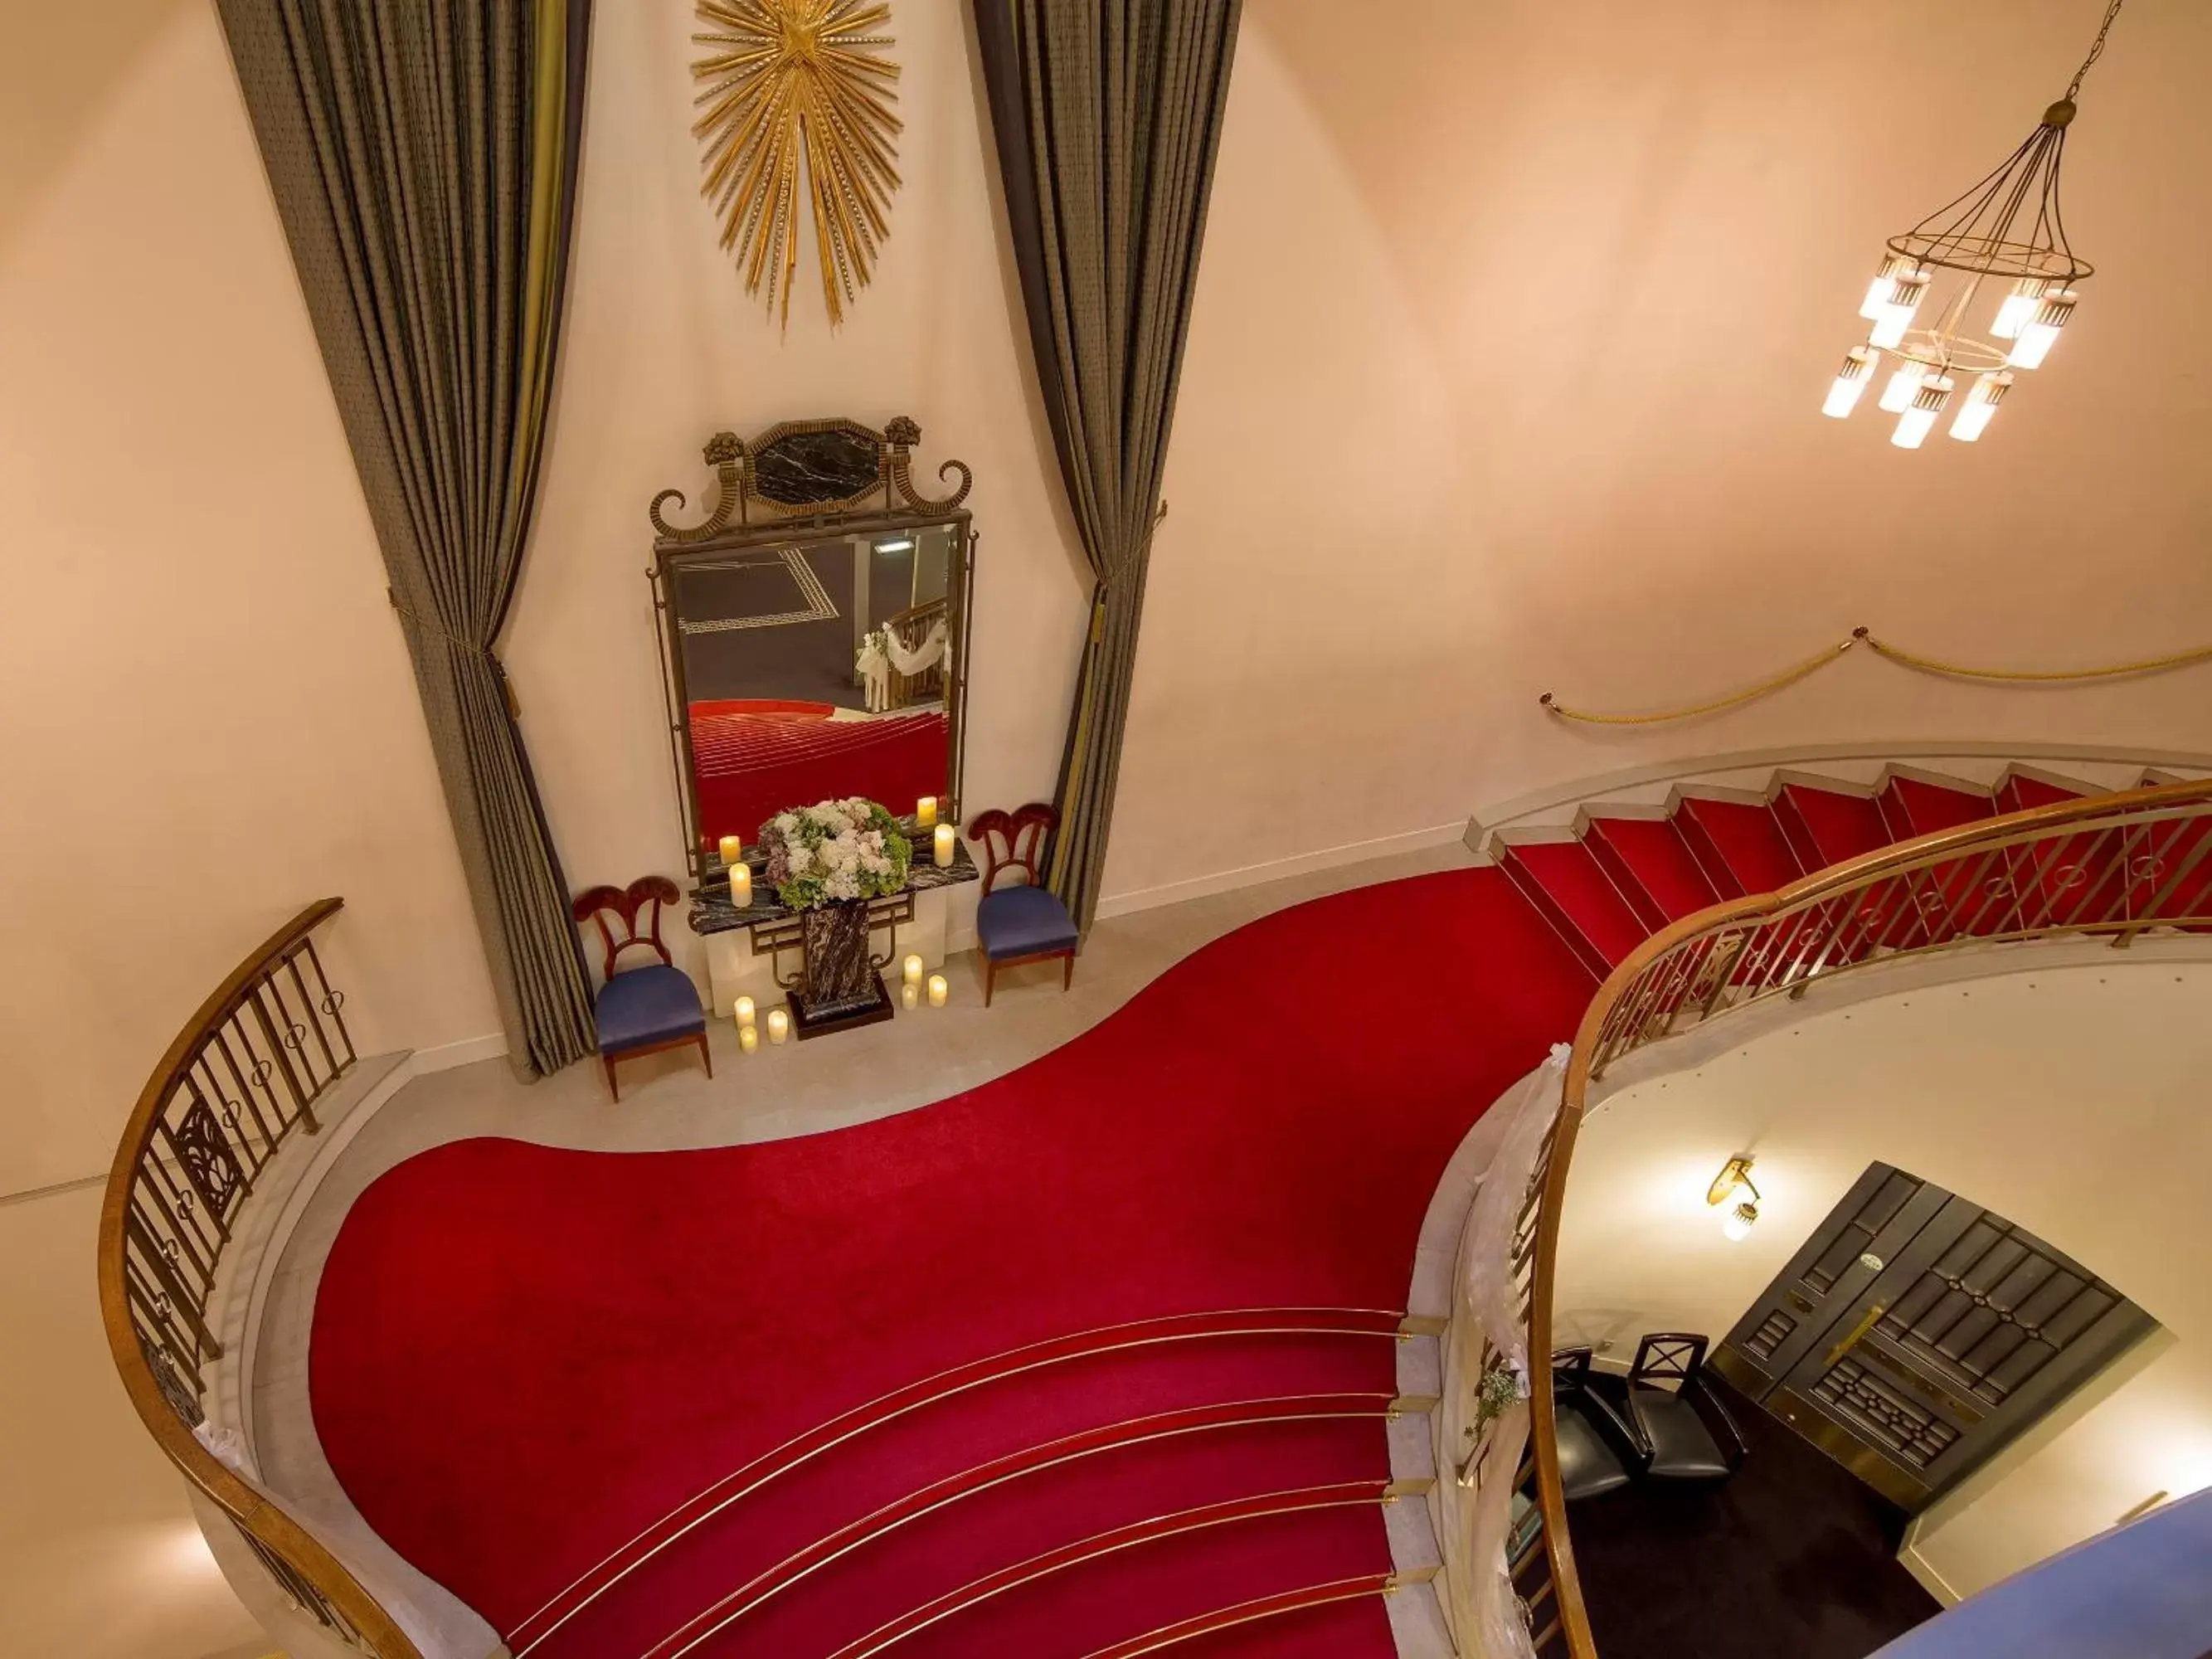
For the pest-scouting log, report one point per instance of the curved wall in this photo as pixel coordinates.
(1502, 377)
(2067, 1098)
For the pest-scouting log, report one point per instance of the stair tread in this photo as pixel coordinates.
(944, 1438)
(1827, 826)
(1654, 857)
(1741, 845)
(1581, 894)
(1913, 806)
(1112, 1598)
(1354, 1628)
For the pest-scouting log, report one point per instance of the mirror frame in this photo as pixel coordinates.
(771, 492)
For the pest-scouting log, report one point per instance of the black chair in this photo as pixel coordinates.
(1597, 1450)
(1679, 1430)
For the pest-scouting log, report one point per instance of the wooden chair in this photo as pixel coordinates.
(1023, 922)
(640, 1011)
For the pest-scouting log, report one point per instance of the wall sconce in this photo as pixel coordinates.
(1736, 1172)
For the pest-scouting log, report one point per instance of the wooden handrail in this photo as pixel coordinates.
(1641, 1000)
(183, 1168)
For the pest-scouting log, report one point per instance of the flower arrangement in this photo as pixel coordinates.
(1504, 1386)
(833, 851)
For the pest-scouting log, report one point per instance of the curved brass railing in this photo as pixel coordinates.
(242, 1077)
(2109, 865)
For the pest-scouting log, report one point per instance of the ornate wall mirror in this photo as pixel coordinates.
(813, 630)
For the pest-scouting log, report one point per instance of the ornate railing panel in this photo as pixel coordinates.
(2108, 866)
(243, 1076)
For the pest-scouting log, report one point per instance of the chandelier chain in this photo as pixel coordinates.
(2096, 47)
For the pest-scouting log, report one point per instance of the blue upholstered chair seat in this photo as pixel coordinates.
(1020, 921)
(648, 1005)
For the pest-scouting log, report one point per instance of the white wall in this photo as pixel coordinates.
(100, 1555)
(2068, 1100)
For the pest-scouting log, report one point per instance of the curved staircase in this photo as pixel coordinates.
(1622, 870)
(1211, 1482)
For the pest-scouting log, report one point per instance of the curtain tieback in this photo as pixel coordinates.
(1104, 584)
(498, 668)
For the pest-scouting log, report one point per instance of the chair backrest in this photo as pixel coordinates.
(1668, 1357)
(1014, 841)
(1571, 1369)
(642, 899)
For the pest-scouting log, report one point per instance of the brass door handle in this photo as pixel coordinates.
(1866, 1323)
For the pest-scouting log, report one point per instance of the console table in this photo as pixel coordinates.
(751, 951)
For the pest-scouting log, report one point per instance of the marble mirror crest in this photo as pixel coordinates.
(813, 631)
(810, 469)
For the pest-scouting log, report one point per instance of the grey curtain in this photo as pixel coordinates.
(422, 153)
(1108, 117)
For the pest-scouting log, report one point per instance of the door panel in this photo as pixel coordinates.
(1948, 1335)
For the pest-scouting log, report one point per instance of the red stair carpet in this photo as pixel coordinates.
(577, 1388)
(755, 757)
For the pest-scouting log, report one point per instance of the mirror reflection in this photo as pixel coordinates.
(817, 667)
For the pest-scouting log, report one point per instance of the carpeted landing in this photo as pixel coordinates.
(621, 1403)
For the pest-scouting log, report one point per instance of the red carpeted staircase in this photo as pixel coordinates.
(1619, 872)
(1095, 1360)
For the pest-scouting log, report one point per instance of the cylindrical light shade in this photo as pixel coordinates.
(925, 812)
(1915, 424)
(778, 1025)
(1897, 311)
(2038, 336)
(942, 846)
(1737, 1223)
(1850, 383)
(748, 1038)
(1884, 284)
(2019, 308)
(939, 990)
(1980, 405)
(911, 996)
(910, 970)
(733, 849)
(743, 1010)
(741, 887)
(1904, 387)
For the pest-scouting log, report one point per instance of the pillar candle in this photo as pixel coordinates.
(741, 887)
(733, 849)
(744, 1011)
(939, 990)
(778, 1025)
(925, 812)
(911, 996)
(944, 846)
(910, 970)
(748, 1038)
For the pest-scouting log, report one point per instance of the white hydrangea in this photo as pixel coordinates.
(800, 856)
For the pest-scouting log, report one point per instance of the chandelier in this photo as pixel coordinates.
(2006, 231)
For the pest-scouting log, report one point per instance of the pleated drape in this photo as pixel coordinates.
(422, 153)
(1108, 118)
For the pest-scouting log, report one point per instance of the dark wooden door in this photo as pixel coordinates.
(1917, 1332)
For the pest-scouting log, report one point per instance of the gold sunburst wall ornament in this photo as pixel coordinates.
(796, 108)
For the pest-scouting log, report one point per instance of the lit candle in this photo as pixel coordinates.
(778, 1025)
(743, 1010)
(925, 812)
(943, 844)
(911, 996)
(733, 849)
(748, 1038)
(939, 990)
(911, 970)
(741, 887)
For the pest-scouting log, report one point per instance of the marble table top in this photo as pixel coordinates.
(713, 913)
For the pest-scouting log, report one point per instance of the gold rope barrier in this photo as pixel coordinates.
(1812, 664)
